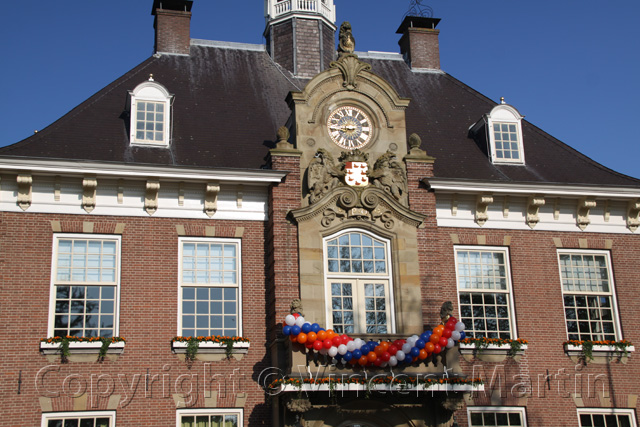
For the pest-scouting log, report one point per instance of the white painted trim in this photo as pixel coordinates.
(610, 411)
(82, 347)
(52, 285)
(491, 349)
(611, 350)
(238, 285)
(507, 257)
(49, 415)
(573, 191)
(520, 409)
(287, 388)
(612, 286)
(151, 91)
(206, 411)
(142, 172)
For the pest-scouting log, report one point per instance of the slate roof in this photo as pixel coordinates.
(229, 102)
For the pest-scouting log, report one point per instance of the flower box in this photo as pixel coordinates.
(81, 351)
(491, 352)
(209, 351)
(362, 388)
(600, 353)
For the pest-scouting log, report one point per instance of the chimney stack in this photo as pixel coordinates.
(419, 42)
(173, 26)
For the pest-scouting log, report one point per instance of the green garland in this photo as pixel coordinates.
(482, 343)
(587, 346)
(65, 341)
(193, 344)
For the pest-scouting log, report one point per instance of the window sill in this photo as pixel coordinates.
(81, 351)
(601, 354)
(211, 351)
(490, 353)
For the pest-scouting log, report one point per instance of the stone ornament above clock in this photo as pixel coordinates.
(349, 127)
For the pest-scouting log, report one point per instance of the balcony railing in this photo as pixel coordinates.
(321, 7)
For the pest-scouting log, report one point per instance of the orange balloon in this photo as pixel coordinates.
(293, 338)
(363, 361)
(372, 356)
(429, 347)
(330, 334)
(302, 338)
(378, 350)
(423, 354)
(322, 335)
(311, 337)
(385, 345)
(438, 330)
(354, 361)
(434, 338)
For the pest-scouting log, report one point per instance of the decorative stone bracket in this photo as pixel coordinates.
(211, 199)
(584, 207)
(482, 207)
(633, 215)
(89, 186)
(350, 66)
(151, 196)
(25, 182)
(533, 208)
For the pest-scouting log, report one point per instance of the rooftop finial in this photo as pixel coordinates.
(502, 100)
(150, 77)
(416, 8)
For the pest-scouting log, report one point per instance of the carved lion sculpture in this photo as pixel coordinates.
(446, 311)
(296, 306)
(389, 175)
(347, 43)
(322, 175)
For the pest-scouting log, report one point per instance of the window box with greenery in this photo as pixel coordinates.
(598, 352)
(82, 349)
(210, 348)
(493, 349)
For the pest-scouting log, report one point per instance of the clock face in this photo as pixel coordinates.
(349, 127)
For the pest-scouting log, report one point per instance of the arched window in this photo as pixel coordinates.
(358, 283)
(150, 114)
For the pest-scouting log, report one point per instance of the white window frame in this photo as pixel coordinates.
(612, 287)
(205, 411)
(150, 91)
(46, 417)
(498, 409)
(358, 280)
(238, 285)
(609, 411)
(507, 259)
(52, 288)
(506, 114)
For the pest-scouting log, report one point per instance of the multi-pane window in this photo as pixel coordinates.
(150, 120)
(484, 291)
(496, 417)
(210, 288)
(589, 303)
(606, 417)
(86, 419)
(505, 138)
(85, 286)
(209, 418)
(358, 283)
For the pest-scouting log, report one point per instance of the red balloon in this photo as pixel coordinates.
(378, 350)
(336, 340)
(354, 361)
(443, 342)
(345, 339)
(437, 349)
(385, 356)
(296, 315)
(327, 344)
(446, 333)
(453, 319)
(308, 344)
(318, 345)
(378, 362)
(392, 350)
(398, 343)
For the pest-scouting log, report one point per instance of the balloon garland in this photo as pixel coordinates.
(343, 348)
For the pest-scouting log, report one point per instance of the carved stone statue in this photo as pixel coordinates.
(446, 311)
(296, 306)
(322, 175)
(347, 43)
(389, 175)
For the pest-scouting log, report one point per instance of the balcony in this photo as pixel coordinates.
(278, 9)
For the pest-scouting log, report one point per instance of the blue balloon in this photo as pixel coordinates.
(415, 352)
(286, 330)
(348, 356)
(315, 328)
(462, 335)
(357, 354)
(372, 345)
(306, 328)
(295, 330)
(365, 349)
(425, 336)
(420, 343)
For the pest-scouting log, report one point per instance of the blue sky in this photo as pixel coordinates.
(571, 67)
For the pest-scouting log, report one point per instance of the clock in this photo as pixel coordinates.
(349, 127)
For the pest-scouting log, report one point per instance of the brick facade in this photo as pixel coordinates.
(173, 31)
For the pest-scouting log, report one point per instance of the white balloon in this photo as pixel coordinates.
(393, 361)
(450, 343)
(406, 348)
(342, 349)
(333, 351)
(455, 335)
(300, 321)
(358, 343)
(290, 320)
(460, 326)
(400, 355)
(351, 346)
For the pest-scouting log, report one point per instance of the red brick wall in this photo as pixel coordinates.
(148, 319)
(173, 31)
(422, 47)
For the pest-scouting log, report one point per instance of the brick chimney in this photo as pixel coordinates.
(301, 34)
(172, 25)
(419, 42)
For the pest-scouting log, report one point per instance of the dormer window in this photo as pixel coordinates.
(505, 134)
(150, 114)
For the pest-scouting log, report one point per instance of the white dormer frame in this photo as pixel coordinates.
(153, 98)
(504, 114)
